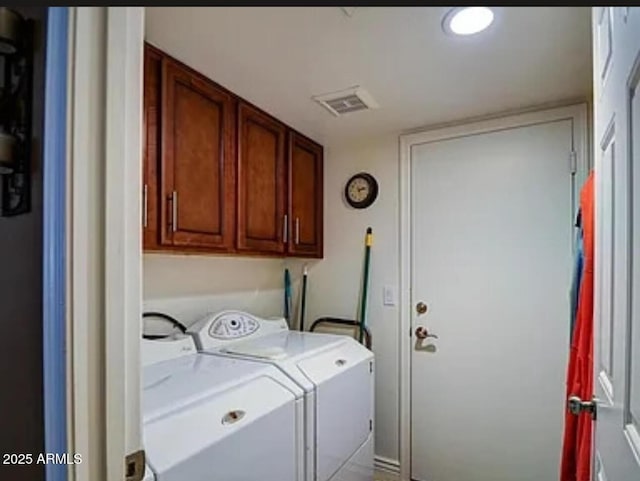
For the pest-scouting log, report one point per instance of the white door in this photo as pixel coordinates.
(616, 37)
(491, 259)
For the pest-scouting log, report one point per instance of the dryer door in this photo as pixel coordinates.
(344, 404)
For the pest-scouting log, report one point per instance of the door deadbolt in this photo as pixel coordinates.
(421, 307)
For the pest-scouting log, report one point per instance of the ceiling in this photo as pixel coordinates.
(278, 58)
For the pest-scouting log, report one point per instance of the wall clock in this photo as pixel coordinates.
(361, 190)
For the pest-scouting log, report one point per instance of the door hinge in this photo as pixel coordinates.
(134, 465)
(573, 162)
(371, 366)
(370, 424)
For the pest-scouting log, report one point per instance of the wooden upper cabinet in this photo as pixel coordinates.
(220, 175)
(305, 197)
(261, 171)
(197, 167)
(151, 146)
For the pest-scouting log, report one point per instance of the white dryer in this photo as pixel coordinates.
(336, 373)
(210, 418)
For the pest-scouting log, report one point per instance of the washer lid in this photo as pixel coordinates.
(175, 385)
(285, 345)
(201, 414)
(206, 414)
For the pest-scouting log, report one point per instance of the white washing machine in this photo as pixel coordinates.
(336, 373)
(209, 418)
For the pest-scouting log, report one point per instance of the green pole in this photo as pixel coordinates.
(365, 283)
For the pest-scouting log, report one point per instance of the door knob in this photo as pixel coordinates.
(577, 406)
(421, 307)
(422, 333)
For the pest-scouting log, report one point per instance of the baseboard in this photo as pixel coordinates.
(383, 476)
(387, 465)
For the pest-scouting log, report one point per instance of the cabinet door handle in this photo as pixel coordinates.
(145, 206)
(285, 229)
(297, 230)
(174, 211)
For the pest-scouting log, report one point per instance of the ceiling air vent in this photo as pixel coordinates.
(347, 101)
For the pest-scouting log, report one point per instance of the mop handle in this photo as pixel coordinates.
(304, 298)
(287, 296)
(365, 283)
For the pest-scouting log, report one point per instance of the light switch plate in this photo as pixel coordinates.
(389, 295)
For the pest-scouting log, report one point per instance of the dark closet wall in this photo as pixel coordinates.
(21, 397)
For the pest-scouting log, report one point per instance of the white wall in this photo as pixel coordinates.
(189, 286)
(168, 275)
(335, 282)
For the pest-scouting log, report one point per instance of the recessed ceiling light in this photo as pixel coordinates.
(467, 20)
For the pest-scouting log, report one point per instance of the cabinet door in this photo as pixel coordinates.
(306, 196)
(197, 161)
(151, 152)
(261, 182)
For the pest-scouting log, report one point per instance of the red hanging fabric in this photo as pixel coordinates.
(576, 450)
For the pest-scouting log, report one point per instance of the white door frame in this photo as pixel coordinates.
(104, 238)
(576, 113)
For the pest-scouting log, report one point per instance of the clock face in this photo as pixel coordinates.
(361, 190)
